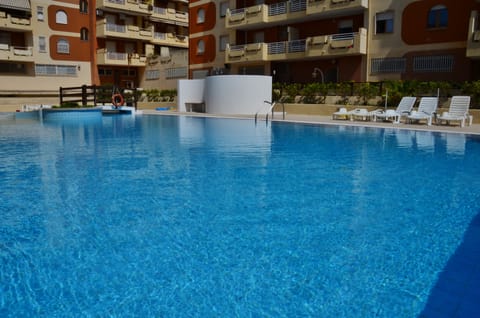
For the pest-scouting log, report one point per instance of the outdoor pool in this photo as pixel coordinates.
(174, 216)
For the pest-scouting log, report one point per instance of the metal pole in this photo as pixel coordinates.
(386, 99)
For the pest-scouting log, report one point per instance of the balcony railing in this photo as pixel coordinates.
(129, 31)
(110, 27)
(473, 43)
(291, 10)
(335, 6)
(138, 6)
(343, 44)
(14, 23)
(105, 57)
(170, 14)
(171, 39)
(16, 53)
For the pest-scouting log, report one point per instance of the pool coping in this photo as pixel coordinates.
(474, 129)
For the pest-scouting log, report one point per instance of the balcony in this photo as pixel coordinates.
(322, 46)
(336, 7)
(128, 31)
(170, 15)
(16, 53)
(473, 43)
(291, 11)
(13, 23)
(170, 39)
(105, 57)
(130, 6)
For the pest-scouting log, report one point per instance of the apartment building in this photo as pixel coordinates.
(46, 44)
(142, 43)
(336, 40)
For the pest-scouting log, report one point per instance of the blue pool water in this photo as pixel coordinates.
(159, 216)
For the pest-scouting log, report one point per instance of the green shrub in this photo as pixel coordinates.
(365, 92)
(472, 89)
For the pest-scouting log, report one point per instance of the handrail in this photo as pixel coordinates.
(272, 104)
(256, 114)
(270, 109)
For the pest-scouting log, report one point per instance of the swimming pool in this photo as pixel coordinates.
(171, 216)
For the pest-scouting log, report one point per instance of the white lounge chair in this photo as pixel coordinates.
(458, 111)
(360, 113)
(342, 113)
(403, 109)
(426, 110)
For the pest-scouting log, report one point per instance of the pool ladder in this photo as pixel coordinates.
(270, 109)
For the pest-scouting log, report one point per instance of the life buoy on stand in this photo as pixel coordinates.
(117, 100)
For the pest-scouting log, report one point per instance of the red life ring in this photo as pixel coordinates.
(117, 100)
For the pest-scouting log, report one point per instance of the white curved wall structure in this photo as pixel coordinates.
(228, 94)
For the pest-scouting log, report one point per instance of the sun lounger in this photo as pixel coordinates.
(403, 109)
(360, 114)
(342, 113)
(426, 110)
(458, 111)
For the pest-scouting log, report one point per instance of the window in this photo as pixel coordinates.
(223, 9)
(83, 6)
(199, 74)
(384, 22)
(223, 41)
(129, 72)
(105, 72)
(84, 34)
(49, 69)
(437, 17)
(177, 72)
(200, 47)
(42, 44)
(200, 15)
(63, 46)
(433, 63)
(40, 15)
(388, 65)
(13, 68)
(5, 39)
(153, 74)
(61, 17)
(345, 26)
(258, 37)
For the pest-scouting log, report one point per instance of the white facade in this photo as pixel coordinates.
(227, 94)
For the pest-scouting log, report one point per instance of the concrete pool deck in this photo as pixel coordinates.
(327, 120)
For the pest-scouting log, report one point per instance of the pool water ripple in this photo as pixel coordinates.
(178, 216)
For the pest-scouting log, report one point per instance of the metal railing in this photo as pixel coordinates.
(111, 27)
(295, 46)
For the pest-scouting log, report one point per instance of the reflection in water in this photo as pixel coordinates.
(425, 141)
(232, 136)
(404, 138)
(455, 143)
(311, 220)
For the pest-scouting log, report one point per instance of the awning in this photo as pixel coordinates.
(23, 5)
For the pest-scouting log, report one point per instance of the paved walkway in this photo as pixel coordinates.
(327, 120)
